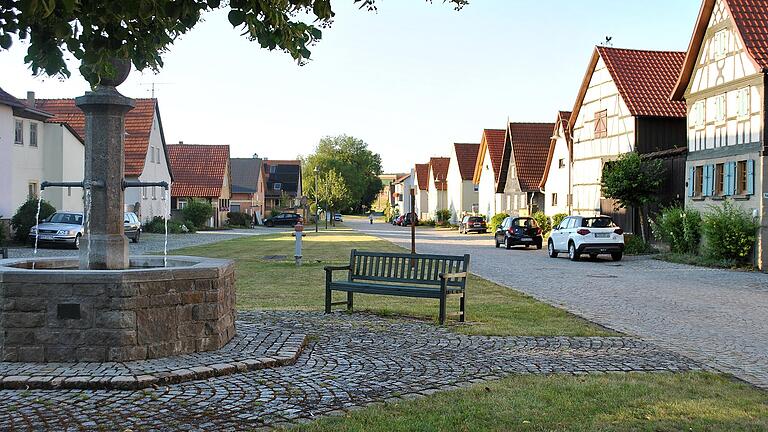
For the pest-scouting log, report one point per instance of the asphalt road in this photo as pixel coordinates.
(718, 317)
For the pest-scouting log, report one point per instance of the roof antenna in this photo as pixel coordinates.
(608, 41)
(152, 84)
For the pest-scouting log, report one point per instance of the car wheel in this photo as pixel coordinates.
(551, 249)
(572, 254)
(497, 242)
(135, 238)
(538, 246)
(76, 245)
(617, 256)
(269, 224)
(508, 244)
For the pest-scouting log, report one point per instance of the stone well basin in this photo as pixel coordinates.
(57, 313)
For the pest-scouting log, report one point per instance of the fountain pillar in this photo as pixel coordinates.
(105, 246)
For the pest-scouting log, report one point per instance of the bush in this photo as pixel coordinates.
(427, 222)
(678, 228)
(442, 216)
(729, 232)
(239, 219)
(635, 245)
(24, 219)
(543, 221)
(496, 221)
(157, 226)
(197, 212)
(556, 219)
(2, 231)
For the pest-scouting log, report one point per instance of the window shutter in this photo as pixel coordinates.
(691, 181)
(730, 180)
(707, 182)
(751, 177)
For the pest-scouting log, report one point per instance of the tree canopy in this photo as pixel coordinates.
(350, 158)
(97, 31)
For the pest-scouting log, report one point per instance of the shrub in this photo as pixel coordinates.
(197, 212)
(427, 222)
(442, 216)
(239, 219)
(635, 245)
(556, 219)
(729, 232)
(543, 221)
(678, 228)
(24, 219)
(157, 226)
(496, 221)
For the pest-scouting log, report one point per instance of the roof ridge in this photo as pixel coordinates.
(601, 47)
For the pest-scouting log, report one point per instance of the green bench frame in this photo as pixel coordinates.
(404, 275)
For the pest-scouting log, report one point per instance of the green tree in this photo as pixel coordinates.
(633, 182)
(197, 212)
(286, 201)
(95, 32)
(24, 219)
(358, 167)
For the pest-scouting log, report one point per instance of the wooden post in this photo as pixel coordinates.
(413, 220)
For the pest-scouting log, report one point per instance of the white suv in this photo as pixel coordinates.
(587, 235)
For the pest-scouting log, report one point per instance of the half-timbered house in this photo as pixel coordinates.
(556, 181)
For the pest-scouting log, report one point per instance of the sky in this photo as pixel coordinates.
(410, 79)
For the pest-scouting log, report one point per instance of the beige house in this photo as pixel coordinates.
(723, 85)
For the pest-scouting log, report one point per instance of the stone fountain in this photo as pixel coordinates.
(107, 306)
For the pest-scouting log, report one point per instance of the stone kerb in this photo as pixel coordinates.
(97, 316)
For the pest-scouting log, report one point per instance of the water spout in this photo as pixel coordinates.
(37, 223)
(87, 220)
(167, 215)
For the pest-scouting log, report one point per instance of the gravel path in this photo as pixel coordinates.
(718, 317)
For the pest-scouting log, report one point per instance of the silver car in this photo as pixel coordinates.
(61, 228)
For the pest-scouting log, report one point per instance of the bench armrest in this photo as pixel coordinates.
(336, 268)
(453, 275)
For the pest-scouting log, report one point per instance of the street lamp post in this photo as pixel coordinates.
(317, 201)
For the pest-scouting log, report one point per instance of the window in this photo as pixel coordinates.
(720, 45)
(143, 192)
(18, 134)
(561, 163)
(741, 177)
(719, 180)
(698, 182)
(277, 186)
(32, 190)
(154, 193)
(476, 188)
(157, 156)
(601, 124)
(235, 208)
(33, 134)
(69, 191)
(742, 103)
(554, 199)
(272, 169)
(698, 114)
(151, 154)
(720, 113)
(181, 204)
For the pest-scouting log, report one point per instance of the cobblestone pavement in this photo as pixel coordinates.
(252, 348)
(353, 360)
(718, 317)
(151, 243)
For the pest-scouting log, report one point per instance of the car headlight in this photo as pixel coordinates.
(74, 232)
(33, 230)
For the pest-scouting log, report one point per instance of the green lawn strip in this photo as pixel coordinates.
(267, 284)
(702, 261)
(694, 401)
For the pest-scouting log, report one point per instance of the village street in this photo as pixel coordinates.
(718, 317)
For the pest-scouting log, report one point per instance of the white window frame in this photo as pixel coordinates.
(699, 114)
(720, 44)
(181, 203)
(18, 132)
(33, 189)
(151, 154)
(154, 193)
(743, 106)
(33, 136)
(721, 109)
(277, 186)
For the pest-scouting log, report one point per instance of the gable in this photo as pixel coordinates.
(491, 151)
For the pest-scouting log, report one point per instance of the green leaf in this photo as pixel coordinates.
(5, 41)
(236, 17)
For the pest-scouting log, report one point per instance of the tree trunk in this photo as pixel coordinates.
(641, 213)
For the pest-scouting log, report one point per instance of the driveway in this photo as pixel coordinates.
(718, 317)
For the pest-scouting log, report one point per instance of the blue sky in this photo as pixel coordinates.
(410, 80)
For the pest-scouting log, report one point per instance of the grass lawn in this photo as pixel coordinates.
(613, 402)
(278, 284)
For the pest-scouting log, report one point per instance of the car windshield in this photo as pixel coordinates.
(525, 223)
(66, 218)
(597, 222)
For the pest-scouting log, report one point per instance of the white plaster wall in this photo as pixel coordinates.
(27, 164)
(73, 169)
(6, 150)
(487, 198)
(557, 179)
(157, 204)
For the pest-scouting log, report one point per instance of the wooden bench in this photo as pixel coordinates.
(405, 275)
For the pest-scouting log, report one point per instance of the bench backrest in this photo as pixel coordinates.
(406, 268)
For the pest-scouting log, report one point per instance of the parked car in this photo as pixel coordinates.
(59, 228)
(132, 227)
(579, 235)
(470, 224)
(516, 231)
(283, 219)
(337, 217)
(393, 221)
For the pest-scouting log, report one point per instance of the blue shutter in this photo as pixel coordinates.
(707, 186)
(730, 178)
(692, 181)
(751, 177)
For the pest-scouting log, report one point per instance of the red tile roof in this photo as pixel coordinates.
(646, 79)
(530, 143)
(138, 127)
(439, 168)
(492, 142)
(751, 20)
(562, 121)
(422, 176)
(198, 170)
(466, 156)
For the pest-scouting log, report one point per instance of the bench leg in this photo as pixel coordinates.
(461, 308)
(442, 309)
(349, 301)
(327, 300)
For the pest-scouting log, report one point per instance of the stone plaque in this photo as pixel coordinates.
(68, 311)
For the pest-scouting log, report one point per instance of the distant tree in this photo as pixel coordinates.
(633, 182)
(24, 219)
(198, 212)
(95, 32)
(285, 201)
(333, 192)
(350, 158)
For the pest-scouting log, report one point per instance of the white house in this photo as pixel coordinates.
(438, 185)
(623, 106)
(722, 83)
(462, 192)
(146, 154)
(522, 167)
(421, 184)
(556, 181)
(487, 173)
(33, 149)
(403, 187)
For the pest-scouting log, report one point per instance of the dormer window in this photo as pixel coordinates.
(278, 186)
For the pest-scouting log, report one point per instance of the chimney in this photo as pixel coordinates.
(31, 99)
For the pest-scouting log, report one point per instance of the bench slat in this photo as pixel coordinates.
(395, 290)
